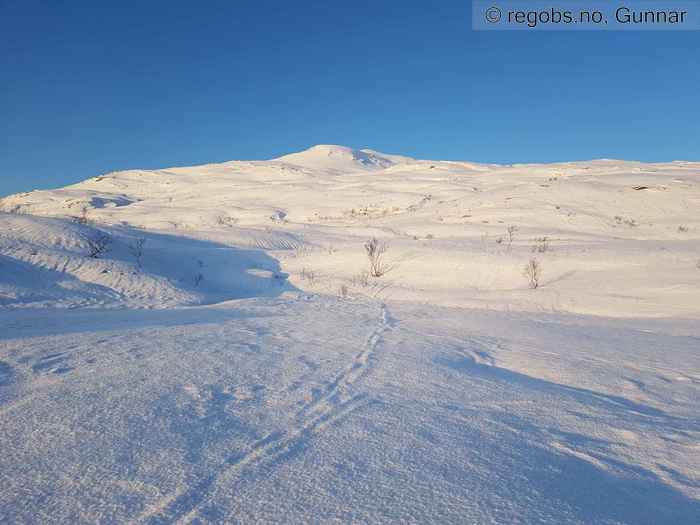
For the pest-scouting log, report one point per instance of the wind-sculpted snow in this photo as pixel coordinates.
(51, 262)
(312, 410)
(612, 238)
(208, 345)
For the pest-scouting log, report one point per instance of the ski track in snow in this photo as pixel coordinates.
(337, 401)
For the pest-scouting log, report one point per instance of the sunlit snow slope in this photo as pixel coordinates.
(622, 238)
(205, 344)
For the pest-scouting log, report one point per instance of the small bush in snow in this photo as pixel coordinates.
(510, 231)
(83, 217)
(682, 229)
(343, 291)
(136, 250)
(308, 275)
(199, 276)
(541, 245)
(623, 220)
(98, 245)
(375, 252)
(226, 220)
(532, 272)
(302, 250)
(361, 279)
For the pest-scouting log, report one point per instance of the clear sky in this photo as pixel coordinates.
(90, 87)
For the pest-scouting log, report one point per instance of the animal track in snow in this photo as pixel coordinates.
(334, 402)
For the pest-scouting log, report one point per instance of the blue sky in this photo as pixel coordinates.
(91, 87)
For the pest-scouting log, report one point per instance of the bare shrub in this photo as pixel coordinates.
(361, 279)
(98, 245)
(226, 220)
(343, 291)
(136, 250)
(16, 209)
(510, 231)
(83, 218)
(682, 229)
(199, 276)
(541, 245)
(302, 250)
(308, 275)
(533, 272)
(625, 220)
(375, 253)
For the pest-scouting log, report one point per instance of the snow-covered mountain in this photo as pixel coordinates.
(342, 158)
(210, 344)
(611, 237)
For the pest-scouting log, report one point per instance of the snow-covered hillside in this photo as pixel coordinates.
(61, 263)
(207, 345)
(622, 238)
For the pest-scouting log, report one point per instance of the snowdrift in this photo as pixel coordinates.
(61, 263)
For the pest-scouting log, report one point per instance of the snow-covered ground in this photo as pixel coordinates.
(205, 345)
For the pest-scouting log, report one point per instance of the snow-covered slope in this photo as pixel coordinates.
(316, 410)
(61, 263)
(206, 345)
(622, 238)
(342, 158)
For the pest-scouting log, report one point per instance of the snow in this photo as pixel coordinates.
(332, 157)
(243, 369)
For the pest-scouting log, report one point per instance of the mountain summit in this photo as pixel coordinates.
(330, 156)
